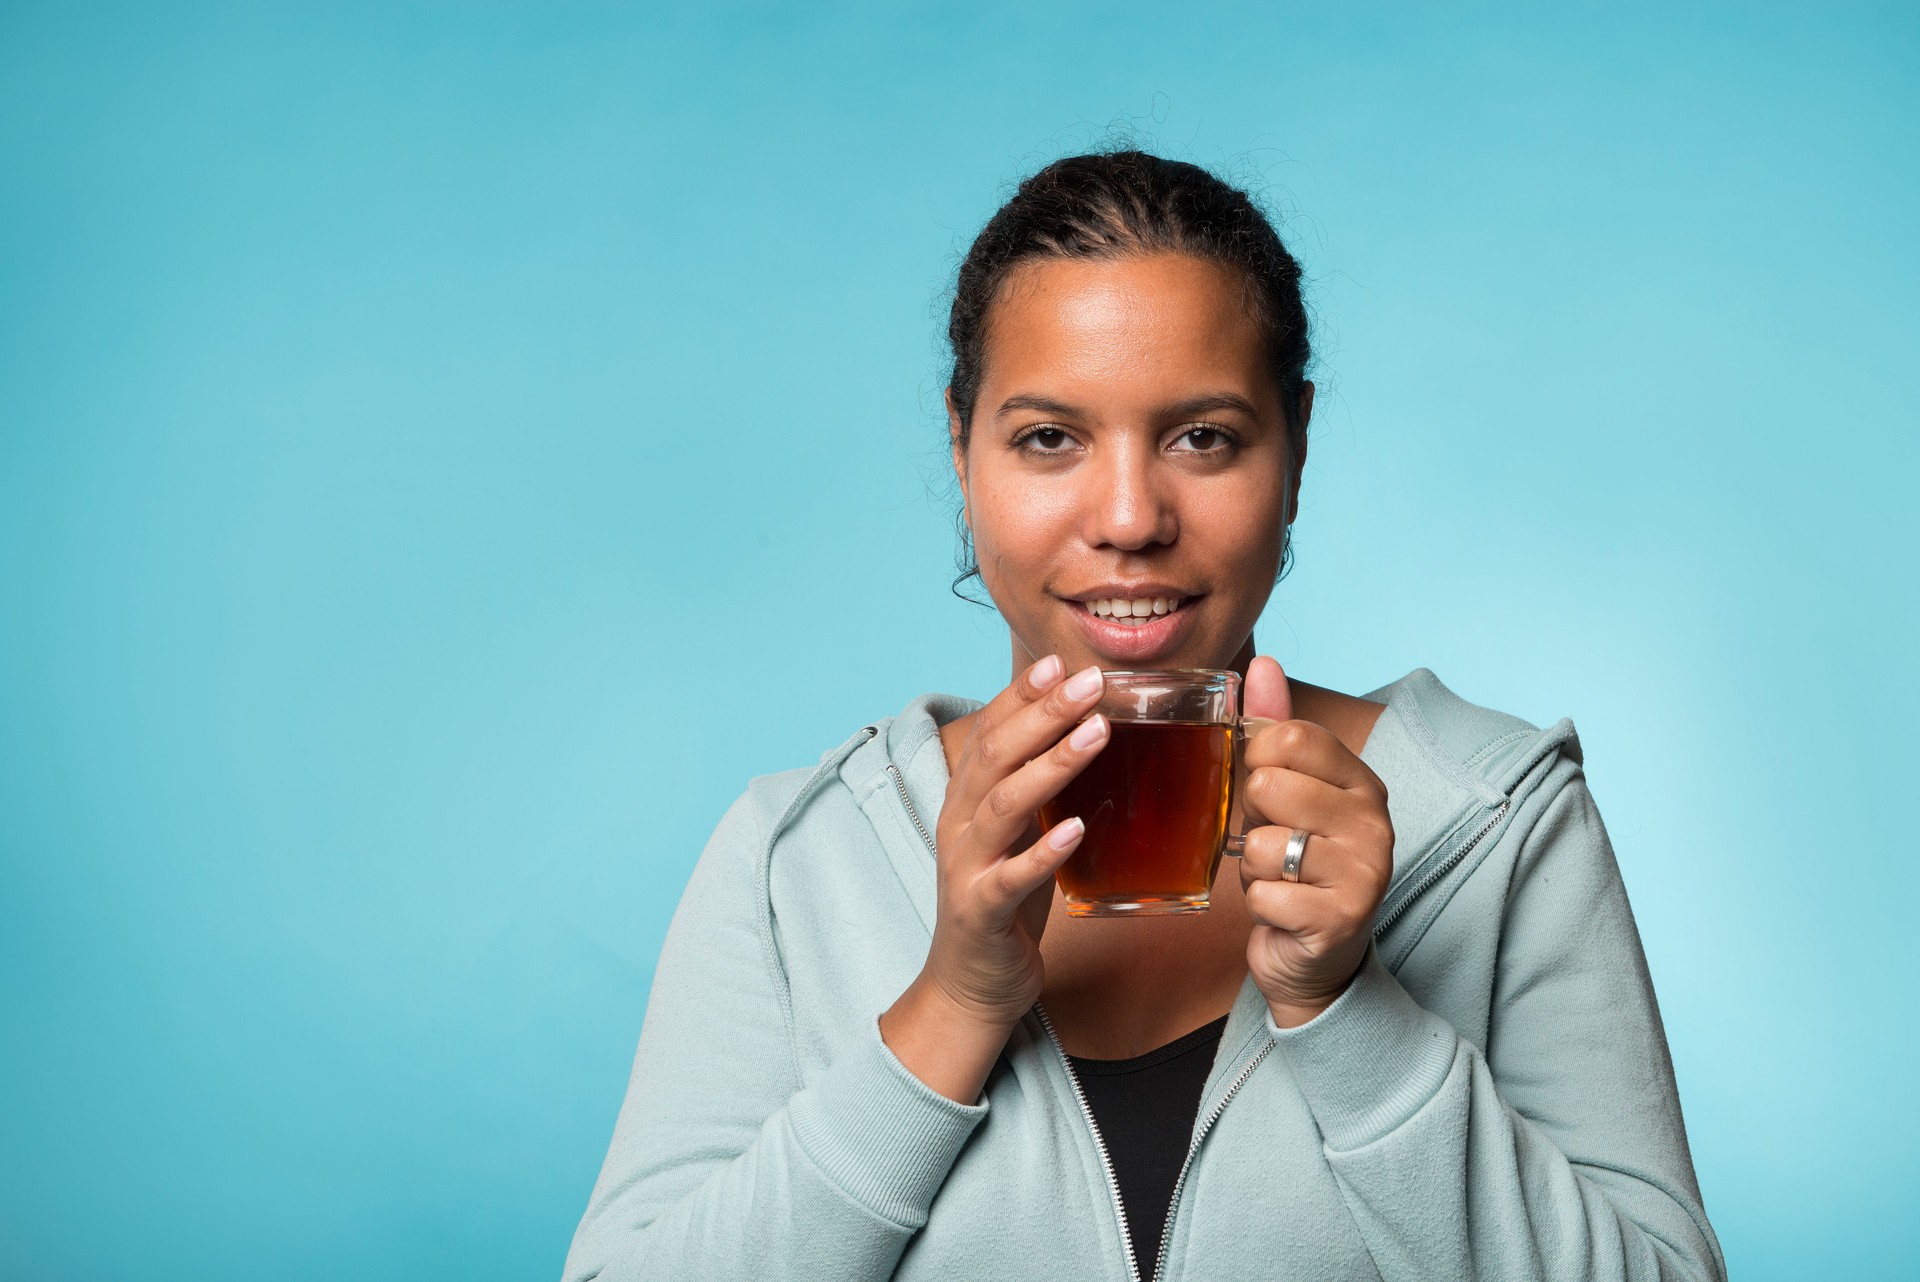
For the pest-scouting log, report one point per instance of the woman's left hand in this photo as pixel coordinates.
(1309, 935)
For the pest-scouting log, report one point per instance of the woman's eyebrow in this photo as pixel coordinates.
(1027, 401)
(1212, 401)
(1179, 409)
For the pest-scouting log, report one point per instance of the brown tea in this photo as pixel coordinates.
(1155, 805)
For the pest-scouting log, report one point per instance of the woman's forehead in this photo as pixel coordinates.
(1150, 326)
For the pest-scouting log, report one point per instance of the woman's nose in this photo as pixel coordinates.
(1127, 505)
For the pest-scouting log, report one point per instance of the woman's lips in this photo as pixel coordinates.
(1123, 640)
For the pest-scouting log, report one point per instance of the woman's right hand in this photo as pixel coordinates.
(983, 970)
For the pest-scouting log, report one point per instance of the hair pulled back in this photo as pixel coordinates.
(1118, 204)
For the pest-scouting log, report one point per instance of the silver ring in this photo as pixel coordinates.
(1296, 851)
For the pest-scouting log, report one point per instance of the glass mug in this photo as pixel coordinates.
(1160, 799)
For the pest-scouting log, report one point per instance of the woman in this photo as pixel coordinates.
(877, 1047)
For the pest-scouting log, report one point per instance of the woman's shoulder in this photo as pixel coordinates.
(1481, 746)
(902, 744)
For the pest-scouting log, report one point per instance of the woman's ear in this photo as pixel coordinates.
(1299, 465)
(956, 444)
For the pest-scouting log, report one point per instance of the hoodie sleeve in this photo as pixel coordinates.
(1559, 1154)
(724, 1164)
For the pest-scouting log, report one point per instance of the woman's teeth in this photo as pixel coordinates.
(1133, 613)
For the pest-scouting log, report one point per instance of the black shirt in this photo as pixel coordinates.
(1144, 1109)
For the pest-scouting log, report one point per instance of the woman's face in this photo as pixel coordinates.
(1127, 447)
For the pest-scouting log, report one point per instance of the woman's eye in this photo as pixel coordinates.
(1046, 440)
(1201, 440)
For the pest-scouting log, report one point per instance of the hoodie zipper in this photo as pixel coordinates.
(1438, 871)
(1180, 1180)
(1099, 1144)
(901, 784)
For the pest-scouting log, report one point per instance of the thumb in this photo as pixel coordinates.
(1267, 694)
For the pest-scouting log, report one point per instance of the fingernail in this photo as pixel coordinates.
(1066, 834)
(1083, 683)
(1046, 672)
(1089, 732)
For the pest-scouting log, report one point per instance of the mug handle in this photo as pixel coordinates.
(1244, 728)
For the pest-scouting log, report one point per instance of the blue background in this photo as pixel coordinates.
(445, 450)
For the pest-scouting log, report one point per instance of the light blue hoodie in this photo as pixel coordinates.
(1491, 1097)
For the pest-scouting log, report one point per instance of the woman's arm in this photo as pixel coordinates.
(723, 1165)
(1560, 1153)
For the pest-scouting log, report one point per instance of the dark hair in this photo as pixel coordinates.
(1118, 204)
